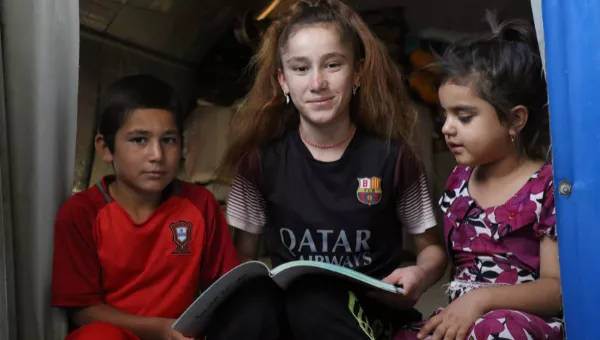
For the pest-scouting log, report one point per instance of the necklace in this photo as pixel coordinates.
(328, 146)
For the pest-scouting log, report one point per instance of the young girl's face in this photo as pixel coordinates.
(147, 150)
(319, 72)
(473, 131)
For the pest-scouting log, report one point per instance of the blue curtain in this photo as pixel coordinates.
(573, 70)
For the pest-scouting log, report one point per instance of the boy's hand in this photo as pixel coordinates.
(175, 335)
(171, 334)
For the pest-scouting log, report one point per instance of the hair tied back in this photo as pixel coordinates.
(313, 3)
(512, 30)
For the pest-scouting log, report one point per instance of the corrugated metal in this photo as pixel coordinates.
(187, 29)
(183, 29)
(98, 15)
(8, 323)
(465, 16)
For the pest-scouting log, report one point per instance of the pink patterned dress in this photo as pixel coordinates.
(497, 246)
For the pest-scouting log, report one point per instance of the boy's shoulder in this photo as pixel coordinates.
(89, 202)
(82, 208)
(90, 199)
(198, 195)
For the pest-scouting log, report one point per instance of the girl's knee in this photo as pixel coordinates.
(311, 289)
(511, 324)
(257, 303)
(100, 331)
(406, 335)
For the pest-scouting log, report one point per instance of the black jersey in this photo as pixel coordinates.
(348, 212)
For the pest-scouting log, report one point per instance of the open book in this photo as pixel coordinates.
(194, 320)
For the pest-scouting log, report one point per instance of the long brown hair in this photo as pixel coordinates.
(380, 106)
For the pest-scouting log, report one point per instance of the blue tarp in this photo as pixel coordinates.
(572, 39)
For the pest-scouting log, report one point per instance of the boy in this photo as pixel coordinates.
(132, 251)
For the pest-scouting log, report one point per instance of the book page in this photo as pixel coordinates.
(194, 320)
(286, 273)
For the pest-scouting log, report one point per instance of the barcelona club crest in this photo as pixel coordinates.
(369, 190)
(182, 235)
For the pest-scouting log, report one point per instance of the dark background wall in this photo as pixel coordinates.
(101, 63)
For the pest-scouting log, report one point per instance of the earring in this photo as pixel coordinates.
(287, 98)
(354, 90)
(512, 138)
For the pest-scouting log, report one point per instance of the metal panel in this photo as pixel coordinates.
(98, 15)
(8, 322)
(572, 56)
(41, 59)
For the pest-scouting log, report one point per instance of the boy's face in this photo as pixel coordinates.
(147, 150)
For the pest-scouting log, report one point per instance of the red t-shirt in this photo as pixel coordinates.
(154, 268)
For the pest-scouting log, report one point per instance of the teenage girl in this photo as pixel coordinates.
(321, 166)
(498, 204)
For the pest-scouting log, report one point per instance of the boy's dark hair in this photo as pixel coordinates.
(131, 93)
(505, 69)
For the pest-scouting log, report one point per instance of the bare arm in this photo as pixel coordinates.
(431, 265)
(147, 328)
(541, 297)
(431, 257)
(246, 245)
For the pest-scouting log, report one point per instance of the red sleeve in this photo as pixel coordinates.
(76, 268)
(220, 255)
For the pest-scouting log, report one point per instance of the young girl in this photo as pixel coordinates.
(322, 167)
(498, 205)
(132, 251)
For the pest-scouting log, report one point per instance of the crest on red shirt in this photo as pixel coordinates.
(369, 190)
(182, 235)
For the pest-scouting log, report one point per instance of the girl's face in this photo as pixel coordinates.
(147, 151)
(473, 131)
(319, 72)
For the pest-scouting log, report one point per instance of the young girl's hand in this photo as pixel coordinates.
(456, 320)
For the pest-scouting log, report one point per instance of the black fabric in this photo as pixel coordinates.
(325, 308)
(255, 312)
(314, 307)
(317, 212)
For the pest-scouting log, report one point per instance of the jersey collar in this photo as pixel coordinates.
(172, 189)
